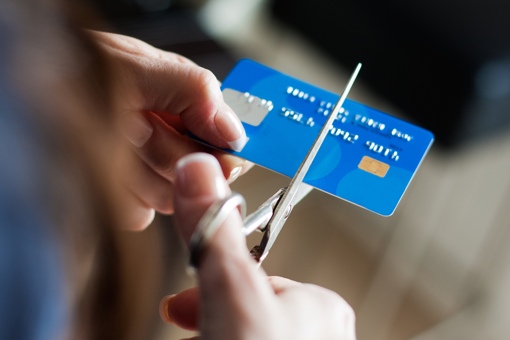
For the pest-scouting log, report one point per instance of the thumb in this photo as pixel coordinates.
(231, 288)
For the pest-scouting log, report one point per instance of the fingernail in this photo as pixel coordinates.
(234, 174)
(137, 129)
(199, 174)
(164, 308)
(231, 129)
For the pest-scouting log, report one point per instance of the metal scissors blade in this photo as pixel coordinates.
(271, 215)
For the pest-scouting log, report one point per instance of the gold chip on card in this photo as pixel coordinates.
(374, 166)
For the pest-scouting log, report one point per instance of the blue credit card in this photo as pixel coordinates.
(368, 157)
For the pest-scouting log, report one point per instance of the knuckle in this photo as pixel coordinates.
(160, 159)
(208, 92)
(205, 77)
(344, 312)
(140, 220)
(341, 305)
(339, 309)
(163, 165)
(163, 203)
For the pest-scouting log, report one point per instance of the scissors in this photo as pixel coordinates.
(270, 217)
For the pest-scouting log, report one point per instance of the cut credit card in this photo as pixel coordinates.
(368, 157)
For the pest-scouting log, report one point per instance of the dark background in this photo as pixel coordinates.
(171, 25)
(444, 64)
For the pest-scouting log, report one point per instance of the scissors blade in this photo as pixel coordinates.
(284, 206)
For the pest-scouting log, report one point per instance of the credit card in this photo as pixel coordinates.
(368, 157)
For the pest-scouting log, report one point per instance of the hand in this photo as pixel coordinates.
(234, 299)
(160, 95)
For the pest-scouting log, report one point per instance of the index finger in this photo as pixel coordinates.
(171, 84)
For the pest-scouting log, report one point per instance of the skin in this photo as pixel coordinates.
(234, 299)
(161, 96)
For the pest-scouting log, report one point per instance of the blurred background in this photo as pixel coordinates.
(439, 268)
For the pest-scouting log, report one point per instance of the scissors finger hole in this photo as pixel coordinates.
(210, 222)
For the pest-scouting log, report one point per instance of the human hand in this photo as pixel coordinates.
(234, 299)
(160, 95)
